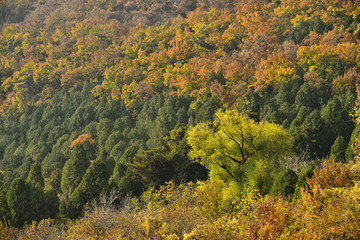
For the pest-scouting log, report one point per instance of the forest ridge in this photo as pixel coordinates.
(179, 119)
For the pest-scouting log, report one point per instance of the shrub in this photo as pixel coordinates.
(330, 174)
(269, 220)
(6, 232)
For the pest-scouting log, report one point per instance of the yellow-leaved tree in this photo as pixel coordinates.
(237, 148)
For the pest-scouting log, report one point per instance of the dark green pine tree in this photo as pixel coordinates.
(313, 129)
(72, 174)
(318, 25)
(4, 209)
(154, 166)
(104, 129)
(295, 129)
(308, 132)
(55, 180)
(338, 149)
(93, 183)
(205, 111)
(35, 182)
(112, 140)
(349, 154)
(336, 121)
(125, 181)
(18, 201)
(51, 202)
(305, 97)
(35, 177)
(285, 183)
(74, 169)
(300, 32)
(122, 123)
(302, 180)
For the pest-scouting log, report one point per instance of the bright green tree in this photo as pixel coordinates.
(234, 141)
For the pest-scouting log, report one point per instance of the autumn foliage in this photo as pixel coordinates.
(82, 139)
(181, 119)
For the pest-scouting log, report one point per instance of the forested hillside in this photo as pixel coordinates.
(179, 119)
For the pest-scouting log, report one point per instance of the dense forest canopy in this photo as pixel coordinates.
(237, 106)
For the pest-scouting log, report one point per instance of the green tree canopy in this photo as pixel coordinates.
(92, 184)
(35, 177)
(234, 140)
(18, 201)
(308, 172)
(154, 166)
(126, 181)
(4, 210)
(74, 169)
(338, 149)
(285, 183)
